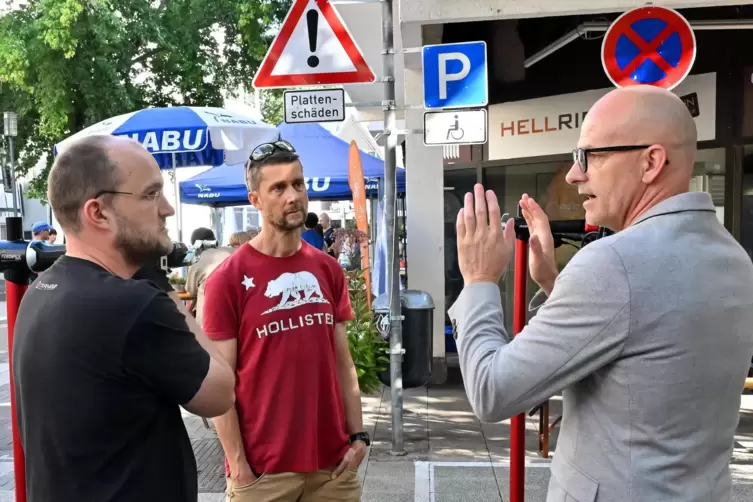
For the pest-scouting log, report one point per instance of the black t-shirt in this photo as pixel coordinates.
(155, 274)
(101, 366)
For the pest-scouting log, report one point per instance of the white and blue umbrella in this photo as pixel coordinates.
(185, 136)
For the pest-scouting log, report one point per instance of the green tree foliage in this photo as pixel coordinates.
(271, 106)
(67, 64)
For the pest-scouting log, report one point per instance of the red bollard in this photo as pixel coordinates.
(13, 293)
(16, 283)
(518, 425)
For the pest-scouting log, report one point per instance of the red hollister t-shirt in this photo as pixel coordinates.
(283, 312)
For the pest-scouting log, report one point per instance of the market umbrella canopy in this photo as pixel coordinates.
(186, 136)
(323, 155)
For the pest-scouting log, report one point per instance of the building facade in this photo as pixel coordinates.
(540, 91)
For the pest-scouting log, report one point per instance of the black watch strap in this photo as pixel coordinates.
(361, 436)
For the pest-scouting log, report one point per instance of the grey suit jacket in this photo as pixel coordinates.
(649, 335)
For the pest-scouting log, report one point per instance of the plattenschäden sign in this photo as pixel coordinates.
(327, 105)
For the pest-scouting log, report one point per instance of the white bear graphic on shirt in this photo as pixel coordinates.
(294, 290)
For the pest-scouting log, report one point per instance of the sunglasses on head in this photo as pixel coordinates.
(264, 150)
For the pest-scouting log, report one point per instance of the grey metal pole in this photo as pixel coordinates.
(12, 180)
(218, 225)
(390, 200)
(178, 212)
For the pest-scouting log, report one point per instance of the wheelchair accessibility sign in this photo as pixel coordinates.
(455, 127)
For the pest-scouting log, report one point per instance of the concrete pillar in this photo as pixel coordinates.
(424, 204)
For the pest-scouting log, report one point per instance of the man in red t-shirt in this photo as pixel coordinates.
(277, 310)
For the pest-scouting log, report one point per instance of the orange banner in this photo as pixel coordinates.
(358, 187)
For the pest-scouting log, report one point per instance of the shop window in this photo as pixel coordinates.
(245, 218)
(746, 219)
(456, 184)
(708, 176)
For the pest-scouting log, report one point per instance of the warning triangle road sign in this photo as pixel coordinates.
(313, 48)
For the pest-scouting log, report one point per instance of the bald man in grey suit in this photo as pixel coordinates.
(648, 333)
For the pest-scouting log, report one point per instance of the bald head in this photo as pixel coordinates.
(639, 147)
(88, 167)
(645, 115)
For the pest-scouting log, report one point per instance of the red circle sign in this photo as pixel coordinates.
(648, 46)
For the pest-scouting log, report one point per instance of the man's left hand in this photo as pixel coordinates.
(352, 459)
(485, 249)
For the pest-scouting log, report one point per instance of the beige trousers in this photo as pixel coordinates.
(298, 487)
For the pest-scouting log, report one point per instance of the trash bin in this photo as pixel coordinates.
(417, 308)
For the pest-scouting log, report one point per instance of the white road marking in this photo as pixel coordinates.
(4, 374)
(424, 489)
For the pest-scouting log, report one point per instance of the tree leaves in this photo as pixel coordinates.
(67, 64)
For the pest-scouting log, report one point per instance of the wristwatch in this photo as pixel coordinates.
(361, 436)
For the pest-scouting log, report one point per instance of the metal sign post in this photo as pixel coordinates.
(390, 208)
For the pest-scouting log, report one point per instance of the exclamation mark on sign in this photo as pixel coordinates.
(312, 19)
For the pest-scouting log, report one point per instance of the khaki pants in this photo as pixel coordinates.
(298, 487)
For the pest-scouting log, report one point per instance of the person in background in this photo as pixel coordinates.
(329, 233)
(202, 234)
(40, 231)
(238, 239)
(209, 260)
(310, 234)
(253, 232)
(277, 309)
(53, 236)
(101, 377)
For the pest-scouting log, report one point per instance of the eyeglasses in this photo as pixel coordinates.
(264, 150)
(580, 155)
(153, 196)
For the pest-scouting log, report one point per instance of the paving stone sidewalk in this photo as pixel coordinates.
(450, 455)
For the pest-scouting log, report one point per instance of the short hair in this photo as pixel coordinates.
(312, 220)
(80, 173)
(202, 234)
(239, 237)
(53, 232)
(253, 231)
(253, 168)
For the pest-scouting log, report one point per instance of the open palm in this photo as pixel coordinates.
(541, 259)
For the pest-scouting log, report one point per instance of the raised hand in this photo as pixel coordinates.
(484, 248)
(541, 259)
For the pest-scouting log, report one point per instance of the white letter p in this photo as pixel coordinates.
(445, 77)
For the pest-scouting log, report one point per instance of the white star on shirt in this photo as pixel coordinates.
(248, 282)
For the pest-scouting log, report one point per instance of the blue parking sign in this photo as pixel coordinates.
(455, 75)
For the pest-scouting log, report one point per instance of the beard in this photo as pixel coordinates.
(281, 223)
(139, 249)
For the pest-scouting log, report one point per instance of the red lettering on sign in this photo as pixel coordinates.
(511, 128)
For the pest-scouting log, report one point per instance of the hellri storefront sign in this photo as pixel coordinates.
(551, 125)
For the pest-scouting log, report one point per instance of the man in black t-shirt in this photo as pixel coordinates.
(101, 376)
